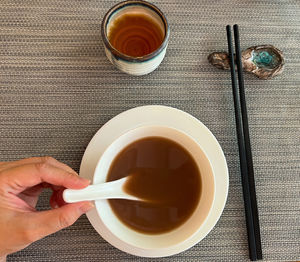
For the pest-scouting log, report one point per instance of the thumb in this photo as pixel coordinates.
(51, 221)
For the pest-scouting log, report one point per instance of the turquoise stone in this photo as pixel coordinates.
(265, 59)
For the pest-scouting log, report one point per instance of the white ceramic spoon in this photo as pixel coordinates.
(106, 190)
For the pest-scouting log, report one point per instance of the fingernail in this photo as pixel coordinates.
(84, 180)
(86, 207)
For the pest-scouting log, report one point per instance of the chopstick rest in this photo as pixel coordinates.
(264, 61)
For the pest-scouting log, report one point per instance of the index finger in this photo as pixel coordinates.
(34, 160)
(20, 177)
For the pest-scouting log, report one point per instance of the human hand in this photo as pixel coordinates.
(21, 183)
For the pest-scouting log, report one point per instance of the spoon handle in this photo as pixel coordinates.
(107, 190)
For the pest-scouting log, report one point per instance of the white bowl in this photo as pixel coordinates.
(184, 231)
(128, 122)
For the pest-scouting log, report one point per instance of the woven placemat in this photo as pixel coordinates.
(57, 89)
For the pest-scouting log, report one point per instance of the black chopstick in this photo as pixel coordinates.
(246, 164)
(247, 141)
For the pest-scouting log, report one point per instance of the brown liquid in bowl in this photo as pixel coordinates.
(135, 35)
(165, 174)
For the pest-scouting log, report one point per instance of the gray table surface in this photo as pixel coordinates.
(57, 89)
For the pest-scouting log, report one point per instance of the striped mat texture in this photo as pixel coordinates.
(57, 89)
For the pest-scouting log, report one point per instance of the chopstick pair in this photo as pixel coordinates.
(246, 163)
